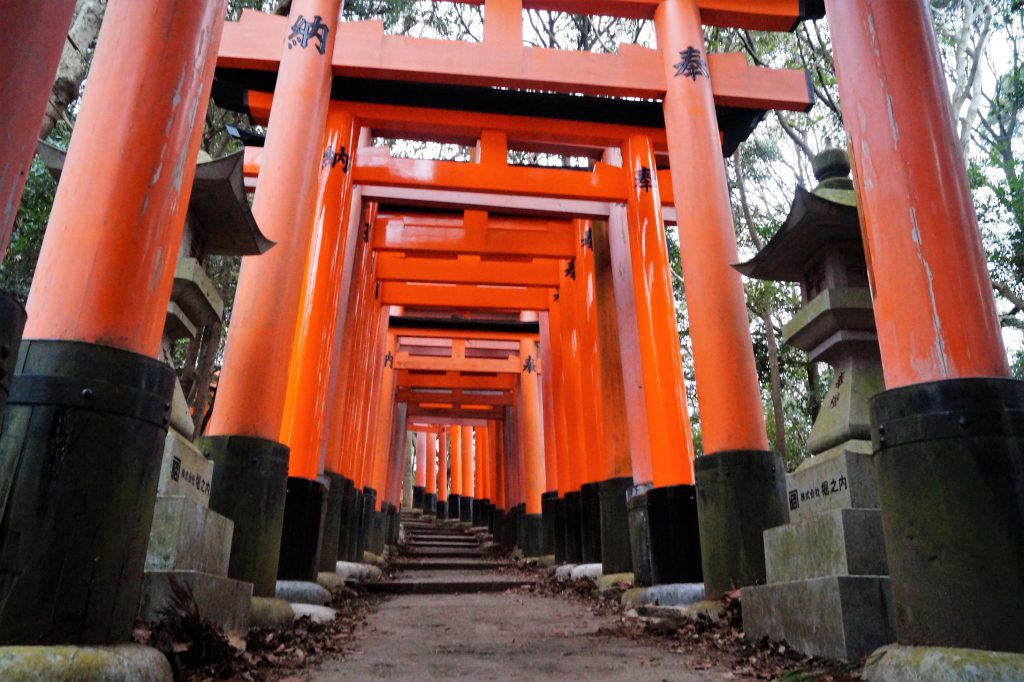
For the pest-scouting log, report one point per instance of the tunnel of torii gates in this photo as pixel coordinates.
(519, 318)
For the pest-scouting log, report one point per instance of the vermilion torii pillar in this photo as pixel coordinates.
(310, 504)
(947, 432)
(455, 468)
(532, 445)
(741, 483)
(592, 417)
(430, 494)
(466, 505)
(89, 391)
(420, 486)
(442, 472)
(247, 415)
(34, 35)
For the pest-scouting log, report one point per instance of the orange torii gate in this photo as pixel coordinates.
(105, 270)
(240, 52)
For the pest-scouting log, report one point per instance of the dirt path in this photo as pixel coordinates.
(500, 636)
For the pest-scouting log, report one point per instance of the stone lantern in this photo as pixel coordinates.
(827, 590)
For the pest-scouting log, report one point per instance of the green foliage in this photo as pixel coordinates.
(29, 226)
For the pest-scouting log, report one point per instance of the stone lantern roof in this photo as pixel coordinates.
(826, 216)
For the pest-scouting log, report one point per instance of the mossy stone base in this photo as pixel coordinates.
(895, 663)
(331, 536)
(532, 535)
(123, 663)
(271, 613)
(616, 556)
(80, 454)
(590, 523)
(250, 478)
(950, 469)
(740, 494)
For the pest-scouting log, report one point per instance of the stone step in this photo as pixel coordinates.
(186, 536)
(451, 582)
(469, 542)
(222, 601)
(446, 552)
(835, 542)
(447, 564)
(834, 617)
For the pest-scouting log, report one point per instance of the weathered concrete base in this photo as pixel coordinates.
(250, 477)
(317, 614)
(615, 551)
(897, 663)
(673, 594)
(835, 616)
(12, 324)
(330, 540)
(222, 601)
(590, 522)
(305, 508)
(548, 509)
(740, 494)
(80, 454)
(302, 592)
(430, 503)
(674, 535)
(837, 542)
(270, 613)
(573, 534)
(124, 663)
(531, 535)
(355, 571)
(950, 470)
(417, 496)
(639, 533)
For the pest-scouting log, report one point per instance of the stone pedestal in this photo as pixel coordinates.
(828, 592)
(190, 545)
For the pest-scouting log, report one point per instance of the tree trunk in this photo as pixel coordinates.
(767, 315)
(204, 373)
(74, 61)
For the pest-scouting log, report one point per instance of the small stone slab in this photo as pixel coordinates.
(318, 614)
(835, 617)
(188, 536)
(842, 477)
(268, 612)
(896, 663)
(302, 592)
(97, 664)
(223, 601)
(835, 542)
(185, 470)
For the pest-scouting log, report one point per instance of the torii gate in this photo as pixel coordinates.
(104, 276)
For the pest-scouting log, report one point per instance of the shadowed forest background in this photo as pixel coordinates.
(982, 42)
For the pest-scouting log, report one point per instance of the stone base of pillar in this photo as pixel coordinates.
(250, 481)
(498, 525)
(378, 532)
(454, 506)
(532, 535)
(394, 525)
(548, 502)
(466, 512)
(328, 555)
(442, 509)
(573, 535)
(305, 507)
(674, 534)
(590, 522)
(80, 457)
(418, 491)
(616, 556)
(366, 523)
(950, 466)
(488, 514)
(740, 494)
(639, 533)
(479, 518)
(12, 324)
(348, 495)
(559, 530)
(354, 525)
(430, 503)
